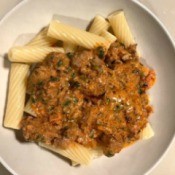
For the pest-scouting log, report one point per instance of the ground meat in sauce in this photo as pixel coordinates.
(90, 98)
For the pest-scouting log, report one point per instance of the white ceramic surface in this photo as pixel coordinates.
(165, 10)
(157, 50)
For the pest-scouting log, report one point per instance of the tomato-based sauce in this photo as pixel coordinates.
(91, 97)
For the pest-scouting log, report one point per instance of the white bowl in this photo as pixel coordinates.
(157, 49)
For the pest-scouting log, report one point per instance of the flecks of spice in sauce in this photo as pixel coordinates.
(92, 97)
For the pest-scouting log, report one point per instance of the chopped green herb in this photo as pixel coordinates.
(122, 44)
(74, 84)
(51, 56)
(136, 71)
(33, 99)
(109, 154)
(75, 100)
(73, 75)
(50, 109)
(91, 135)
(140, 91)
(70, 55)
(66, 103)
(95, 67)
(101, 52)
(53, 79)
(40, 138)
(108, 101)
(142, 74)
(118, 108)
(69, 69)
(40, 83)
(60, 63)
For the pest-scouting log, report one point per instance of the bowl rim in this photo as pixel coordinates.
(146, 9)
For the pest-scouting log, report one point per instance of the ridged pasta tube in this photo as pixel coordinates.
(42, 40)
(121, 29)
(31, 54)
(75, 36)
(108, 36)
(28, 108)
(68, 47)
(98, 25)
(77, 153)
(147, 132)
(16, 95)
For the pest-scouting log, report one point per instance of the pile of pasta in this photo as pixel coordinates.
(39, 47)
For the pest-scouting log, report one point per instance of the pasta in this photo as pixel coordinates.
(28, 108)
(98, 25)
(69, 47)
(75, 36)
(16, 95)
(121, 28)
(79, 154)
(147, 132)
(95, 154)
(42, 40)
(108, 36)
(31, 54)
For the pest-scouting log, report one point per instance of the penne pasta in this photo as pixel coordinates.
(147, 132)
(69, 47)
(42, 40)
(75, 36)
(16, 95)
(28, 108)
(98, 25)
(108, 36)
(77, 153)
(120, 28)
(31, 54)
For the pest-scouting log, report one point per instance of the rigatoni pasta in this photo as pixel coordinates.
(31, 54)
(98, 25)
(147, 132)
(108, 36)
(28, 108)
(16, 95)
(77, 153)
(68, 47)
(121, 29)
(75, 36)
(42, 40)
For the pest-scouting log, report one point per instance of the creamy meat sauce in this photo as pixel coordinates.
(91, 97)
